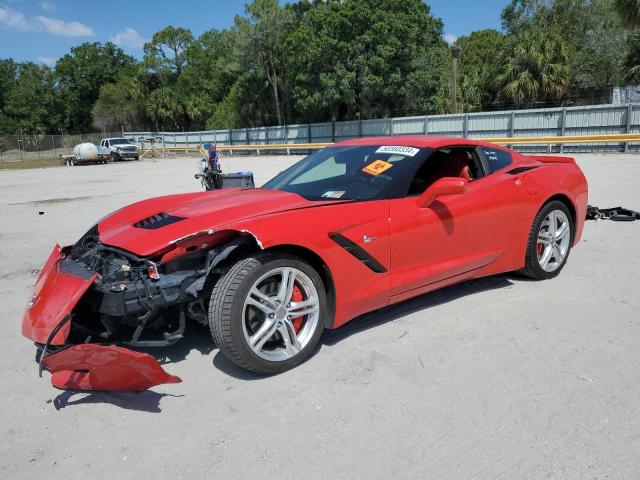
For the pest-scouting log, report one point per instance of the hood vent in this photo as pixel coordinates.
(156, 221)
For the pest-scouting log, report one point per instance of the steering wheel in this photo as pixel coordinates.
(380, 180)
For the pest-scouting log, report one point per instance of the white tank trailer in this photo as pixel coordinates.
(86, 152)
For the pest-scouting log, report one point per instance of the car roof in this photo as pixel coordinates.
(419, 141)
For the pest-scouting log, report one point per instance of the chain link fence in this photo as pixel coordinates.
(35, 149)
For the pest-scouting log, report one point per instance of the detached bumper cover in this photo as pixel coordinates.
(87, 366)
(105, 367)
(54, 296)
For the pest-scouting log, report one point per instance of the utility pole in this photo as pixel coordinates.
(456, 52)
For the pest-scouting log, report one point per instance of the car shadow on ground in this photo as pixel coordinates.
(147, 401)
(198, 338)
(383, 316)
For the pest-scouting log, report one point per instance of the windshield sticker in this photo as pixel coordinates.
(406, 151)
(333, 194)
(377, 167)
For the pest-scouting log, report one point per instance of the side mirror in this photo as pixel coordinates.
(444, 186)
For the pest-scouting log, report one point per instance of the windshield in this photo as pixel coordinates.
(351, 173)
(120, 141)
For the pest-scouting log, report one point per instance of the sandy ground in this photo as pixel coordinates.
(495, 378)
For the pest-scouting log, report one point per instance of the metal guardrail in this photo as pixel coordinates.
(548, 140)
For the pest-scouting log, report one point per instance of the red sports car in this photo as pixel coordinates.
(349, 229)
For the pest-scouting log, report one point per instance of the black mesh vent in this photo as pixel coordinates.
(158, 220)
(518, 170)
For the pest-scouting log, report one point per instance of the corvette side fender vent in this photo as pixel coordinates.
(156, 221)
(518, 170)
(358, 252)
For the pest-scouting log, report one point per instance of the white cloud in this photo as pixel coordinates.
(65, 29)
(14, 19)
(128, 38)
(48, 6)
(450, 38)
(48, 61)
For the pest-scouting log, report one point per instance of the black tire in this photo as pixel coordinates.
(532, 267)
(226, 315)
(114, 157)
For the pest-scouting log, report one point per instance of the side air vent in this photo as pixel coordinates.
(156, 221)
(358, 252)
(518, 170)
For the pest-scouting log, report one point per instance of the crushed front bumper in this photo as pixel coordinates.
(86, 366)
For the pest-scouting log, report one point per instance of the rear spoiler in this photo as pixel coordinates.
(551, 159)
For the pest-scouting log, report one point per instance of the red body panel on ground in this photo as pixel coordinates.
(100, 367)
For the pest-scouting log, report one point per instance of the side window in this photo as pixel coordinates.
(496, 159)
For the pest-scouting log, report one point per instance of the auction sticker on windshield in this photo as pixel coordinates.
(377, 167)
(399, 150)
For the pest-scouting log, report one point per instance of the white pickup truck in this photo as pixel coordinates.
(118, 149)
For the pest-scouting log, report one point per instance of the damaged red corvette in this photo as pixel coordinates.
(350, 229)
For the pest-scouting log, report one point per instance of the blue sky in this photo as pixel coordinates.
(44, 30)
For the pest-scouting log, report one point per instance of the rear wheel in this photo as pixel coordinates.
(267, 312)
(549, 242)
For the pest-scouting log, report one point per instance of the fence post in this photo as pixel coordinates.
(512, 122)
(563, 127)
(286, 138)
(333, 132)
(391, 132)
(359, 127)
(465, 125)
(628, 126)
(426, 124)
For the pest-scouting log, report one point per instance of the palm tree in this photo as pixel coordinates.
(629, 11)
(631, 65)
(535, 67)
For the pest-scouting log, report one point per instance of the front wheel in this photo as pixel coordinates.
(549, 241)
(114, 157)
(267, 312)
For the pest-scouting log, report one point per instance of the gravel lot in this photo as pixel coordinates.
(495, 378)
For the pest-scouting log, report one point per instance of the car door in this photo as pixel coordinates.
(455, 235)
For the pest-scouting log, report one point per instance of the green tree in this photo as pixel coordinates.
(535, 69)
(80, 76)
(165, 53)
(32, 103)
(120, 104)
(478, 68)
(366, 58)
(261, 35)
(632, 60)
(629, 11)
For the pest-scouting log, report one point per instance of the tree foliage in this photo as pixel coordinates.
(326, 60)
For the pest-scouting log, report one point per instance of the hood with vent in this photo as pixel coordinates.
(147, 227)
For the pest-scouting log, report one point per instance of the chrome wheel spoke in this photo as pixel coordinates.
(264, 299)
(546, 256)
(291, 343)
(286, 285)
(264, 333)
(260, 306)
(562, 231)
(300, 309)
(553, 223)
(544, 238)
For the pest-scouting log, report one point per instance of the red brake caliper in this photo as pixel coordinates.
(296, 296)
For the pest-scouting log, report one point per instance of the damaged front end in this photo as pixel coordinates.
(90, 297)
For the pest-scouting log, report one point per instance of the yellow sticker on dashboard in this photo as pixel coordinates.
(377, 167)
